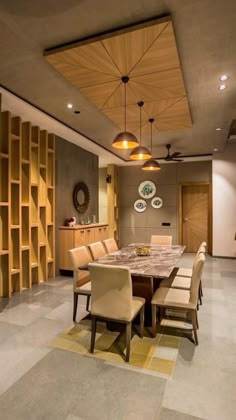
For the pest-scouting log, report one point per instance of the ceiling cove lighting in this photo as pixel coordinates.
(222, 87)
(69, 106)
(140, 152)
(125, 139)
(224, 77)
(151, 164)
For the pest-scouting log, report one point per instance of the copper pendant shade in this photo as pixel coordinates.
(151, 164)
(140, 152)
(125, 139)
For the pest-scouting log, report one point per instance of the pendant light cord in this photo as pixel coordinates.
(125, 106)
(140, 125)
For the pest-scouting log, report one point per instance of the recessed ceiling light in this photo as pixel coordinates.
(218, 129)
(69, 106)
(215, 150)
(223, 77)
(222, 87)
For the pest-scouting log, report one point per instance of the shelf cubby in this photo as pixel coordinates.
(42, 187)
(34, 245)
(26, 141)
(43, 148)
(34, 275)
(42, 264)
(25, 183)
(4, 232)
(15, 160)
(5, 127)
(50, 170)
(34, 205)
(25, 230)
(34, 166)
(50, 269)
(35, 136)
(4, 276)
(50, 206)
(15, 207)
(26, 269)
(42, 225)
(15, 281)
(51, 142)
(50, 242)
(15, 249)
(4, 179)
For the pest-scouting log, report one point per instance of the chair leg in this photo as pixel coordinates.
(199, 296)
(87, 303)
(194, 327)
(93, 333)
(141, 321)
(75, 306)
(196, 319)
(201, 288)
(154, 320)
(128, 339)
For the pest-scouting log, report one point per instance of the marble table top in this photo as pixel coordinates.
(159, 263)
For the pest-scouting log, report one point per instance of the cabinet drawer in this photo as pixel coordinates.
(80, 237)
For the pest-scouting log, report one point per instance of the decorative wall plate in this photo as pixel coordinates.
(147, 189)
(140, 205)
(157, 202)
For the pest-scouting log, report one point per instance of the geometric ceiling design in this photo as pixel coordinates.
(147, 53)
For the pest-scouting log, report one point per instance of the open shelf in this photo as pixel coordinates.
(4, 181)
(34, 166)
(50, 206)
(50, 242)
(34, 245)
(26, 140)
(4, 237)
(25, 184)
(34, 275)
(5, 124)
(15, 249)
(42, 264)
(50, 269)
(26, 269)
(25, 230)
(4, 275)
(43, 147)
(50, 170)
(42, 187)
(15, 281)
(15, 200)
(15, 160)
(42, 225)
(34, 204)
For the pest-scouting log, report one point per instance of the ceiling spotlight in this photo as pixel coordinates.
(69, 106)
(222, 87)
(223, 77)
(218, 129)
(215, 150)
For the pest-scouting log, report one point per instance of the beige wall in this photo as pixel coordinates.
(224, 202)
(138, 227)
(102, 196)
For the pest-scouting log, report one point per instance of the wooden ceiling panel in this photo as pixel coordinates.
(169, 80)
(161, 56)
(148, 54)
(100, 94)
(127, 49)
(117, 99)
(80, 76)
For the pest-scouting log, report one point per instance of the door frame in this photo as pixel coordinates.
(180, 211)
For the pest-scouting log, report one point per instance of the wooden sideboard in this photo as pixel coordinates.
(72, 237)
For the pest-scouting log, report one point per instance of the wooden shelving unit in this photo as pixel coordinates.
(27, 203)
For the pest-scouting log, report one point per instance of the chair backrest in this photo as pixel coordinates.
(110, 245)
(196, 277)
(80, 256)
(97, 250)
(111, 291)
(161, 240)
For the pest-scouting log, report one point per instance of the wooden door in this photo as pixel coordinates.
(195, 215)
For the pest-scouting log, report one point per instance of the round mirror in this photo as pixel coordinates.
(81, 197)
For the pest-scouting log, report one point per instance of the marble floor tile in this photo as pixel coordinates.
(24, 313)
(166, 414)
(7, 330)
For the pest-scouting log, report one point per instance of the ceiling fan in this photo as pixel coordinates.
(171, 157)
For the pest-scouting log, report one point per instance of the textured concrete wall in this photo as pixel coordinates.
(73, 165)
(138, 227)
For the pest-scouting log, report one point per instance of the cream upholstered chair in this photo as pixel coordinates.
(110, 245)
(161, 240)
(112, 299)
(97, 250)
(82, 285)
(187, 300)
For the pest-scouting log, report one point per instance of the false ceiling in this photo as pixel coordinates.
(147, 53)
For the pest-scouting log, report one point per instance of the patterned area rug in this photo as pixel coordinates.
(152, 354)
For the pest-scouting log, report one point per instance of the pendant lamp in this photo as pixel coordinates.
(125, 139)
(140, 152)
(151, 164)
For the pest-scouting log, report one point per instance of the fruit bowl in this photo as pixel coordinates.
(143, 250)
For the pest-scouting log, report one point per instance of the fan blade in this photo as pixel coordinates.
(177, 160)
(175, 154)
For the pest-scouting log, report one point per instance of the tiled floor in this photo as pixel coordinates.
(39, 382)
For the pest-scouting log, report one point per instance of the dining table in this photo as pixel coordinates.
(147, 271)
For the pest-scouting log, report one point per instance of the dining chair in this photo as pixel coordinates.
(177, 299)
(161, 240)
(97, 250)
(81, 278)
(112, 300)
(110, 245)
